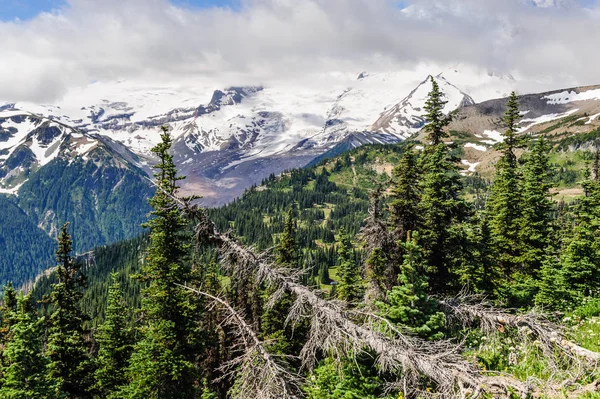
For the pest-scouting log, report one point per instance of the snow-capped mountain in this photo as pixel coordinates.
(407, 117)
(229, 138)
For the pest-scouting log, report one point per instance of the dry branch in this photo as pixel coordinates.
(259, 374)
(465, 309)
(334, 330)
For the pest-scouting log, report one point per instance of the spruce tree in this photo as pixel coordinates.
(434, 116)
(287, 249)
(441, 209)
(553, 291)
(273, 320)
(580, 258)
(163, 361)
(115, 339)
(536, 220)
(408, 304)
(504, 206)
(23, 369)
(68, 348)
(405, 196)
(350, 287)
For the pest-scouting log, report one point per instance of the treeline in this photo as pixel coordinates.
(194, 313)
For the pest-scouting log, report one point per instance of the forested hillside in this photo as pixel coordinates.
(104, 201)
(385, 272)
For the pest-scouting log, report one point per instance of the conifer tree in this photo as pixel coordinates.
(7, 310)
(441, 208)
(580, 258)
(435, 117)
(324, 275)
(536, 220)
(23, 369)
(350, 287)
(287, 249)
(408, 304)
(68, 350)
(115, 338)
(504, 205)
(273, 320)
(404, 198)
(162, 364)
(553, 291)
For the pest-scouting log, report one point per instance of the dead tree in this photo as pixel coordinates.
(465, 309)
(342, 332)
(337, 330)
(258, 374)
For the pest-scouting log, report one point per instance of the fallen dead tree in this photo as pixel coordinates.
(258, 373)
(338, 330)
(335, 329)
(466, 310)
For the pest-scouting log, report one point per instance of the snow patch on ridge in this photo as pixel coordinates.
(566, 97)
(544, 119)
(475, 146)
(496, 137)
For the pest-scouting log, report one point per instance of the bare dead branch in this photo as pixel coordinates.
(467, 309)
(259, 374)
(334, 331)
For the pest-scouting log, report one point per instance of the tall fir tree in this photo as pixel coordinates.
(504, 207)
(580, 259)
(408, 304)
(23, 369)
(350, 287)
(405, 196)
(163, 361)
(536, 223)
(115, 339)
(273, 320)
(434, 115)
(441, 208)
(287, 249)
(68, 347)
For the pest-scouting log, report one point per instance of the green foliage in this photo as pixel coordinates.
(536, 220)
(104, 201)
(287, 249)
(115, 339)
(577, 140)
(408, 303)
(25, 249)
(346, 381)
(162, 364)
(442, 210)
(350, 287)
(22, 369)
(504, 205)
(434, 115)
(68, 349)
(404, 198)
(589, 309)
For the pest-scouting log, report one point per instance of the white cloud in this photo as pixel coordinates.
(269, 40)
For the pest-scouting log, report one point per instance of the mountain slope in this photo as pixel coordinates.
(228, 139)
(569, 118)
(407, 117)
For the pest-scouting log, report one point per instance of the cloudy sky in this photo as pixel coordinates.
(49, 47)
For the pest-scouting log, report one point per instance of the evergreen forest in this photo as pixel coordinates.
(330, 282)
